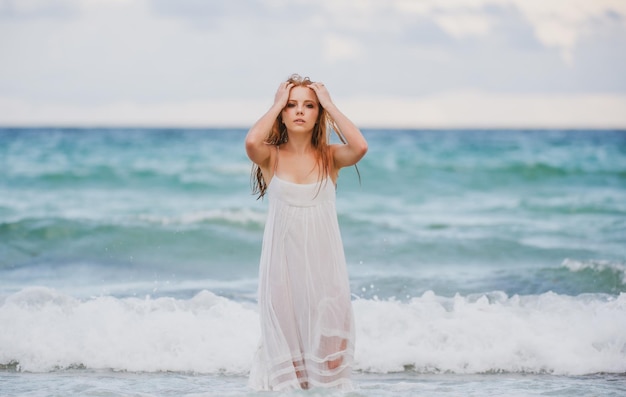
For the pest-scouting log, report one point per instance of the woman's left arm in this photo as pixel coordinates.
(356, 145)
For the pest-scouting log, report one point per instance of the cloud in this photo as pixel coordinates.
(104, 57)
(461, 25)
(563, 23)
(486, 110)
(337, 48)
(446, 110)
(130, 113)
(559, 24)
(24, 9)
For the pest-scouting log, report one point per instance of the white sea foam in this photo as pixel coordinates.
(242, 216)
(543, 333)
(596, 265)
(43, 330)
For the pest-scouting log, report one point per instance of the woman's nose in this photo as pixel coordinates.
(299, 110)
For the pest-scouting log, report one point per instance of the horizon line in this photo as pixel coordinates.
(494, 127)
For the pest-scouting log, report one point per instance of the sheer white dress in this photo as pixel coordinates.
(307, 326)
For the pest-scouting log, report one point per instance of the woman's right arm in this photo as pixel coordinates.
(256, 148)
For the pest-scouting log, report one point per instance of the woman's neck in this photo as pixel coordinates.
(299, 144)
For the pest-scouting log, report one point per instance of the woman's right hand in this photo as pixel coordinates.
(282, 95)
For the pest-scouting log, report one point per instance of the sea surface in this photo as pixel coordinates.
(482, 263)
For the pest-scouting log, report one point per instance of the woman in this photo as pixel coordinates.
(307, 327)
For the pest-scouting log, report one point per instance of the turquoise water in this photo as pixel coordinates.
(470, 253)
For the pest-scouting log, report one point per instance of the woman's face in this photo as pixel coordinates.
(300, 113)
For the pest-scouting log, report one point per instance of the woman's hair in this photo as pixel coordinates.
(319, 139)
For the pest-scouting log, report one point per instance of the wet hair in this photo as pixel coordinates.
(320, 139)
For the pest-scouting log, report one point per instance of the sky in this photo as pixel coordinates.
(386, 63)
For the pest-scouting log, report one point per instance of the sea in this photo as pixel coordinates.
(481, 262)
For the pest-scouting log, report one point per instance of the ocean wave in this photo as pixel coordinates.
(177, 243)
(572, 278)
(539, 171)
(616, 270)
(608, 203)
(594, 264)
(46, 330)
(241, 216)
(119, 177)
(80, 222)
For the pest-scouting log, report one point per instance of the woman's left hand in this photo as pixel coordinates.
(322, 94)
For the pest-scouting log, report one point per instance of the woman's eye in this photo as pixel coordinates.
(310, 106)
(290, 105)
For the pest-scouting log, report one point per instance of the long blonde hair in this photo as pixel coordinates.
(319, 140)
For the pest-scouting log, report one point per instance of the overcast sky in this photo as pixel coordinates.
(396, 63)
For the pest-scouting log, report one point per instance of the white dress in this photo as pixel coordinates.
(307, 326)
